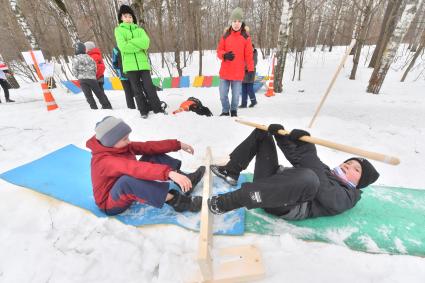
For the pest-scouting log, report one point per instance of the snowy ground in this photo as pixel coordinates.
(44, 240)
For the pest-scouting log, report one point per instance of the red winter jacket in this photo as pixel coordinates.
(241, 46)
(96, 55)
(108, 164)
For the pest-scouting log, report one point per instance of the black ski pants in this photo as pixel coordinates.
(128, 91)
(5, 87)
(136, 78)
(88, 85)
(277, 191)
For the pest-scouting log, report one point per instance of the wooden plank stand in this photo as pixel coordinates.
(233, 264)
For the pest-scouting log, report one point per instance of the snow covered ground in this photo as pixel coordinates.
(44, 240)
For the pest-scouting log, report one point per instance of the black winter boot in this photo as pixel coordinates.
(194, 177)
(182, 203)
(224, 114)
(224, 173)
(253, 103)
(223, 203)
(234, 113)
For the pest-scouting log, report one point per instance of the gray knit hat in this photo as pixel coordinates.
(89, 45)
(236, 15)
(110, 130)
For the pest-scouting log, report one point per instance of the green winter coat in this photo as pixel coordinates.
(133, 42)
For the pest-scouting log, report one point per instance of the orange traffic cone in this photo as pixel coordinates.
(270, 87)
(48, 97)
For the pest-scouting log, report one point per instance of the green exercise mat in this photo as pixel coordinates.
(385, 220)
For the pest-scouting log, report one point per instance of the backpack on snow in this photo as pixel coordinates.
(198, 108)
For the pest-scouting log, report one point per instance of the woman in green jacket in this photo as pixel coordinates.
(133, 43)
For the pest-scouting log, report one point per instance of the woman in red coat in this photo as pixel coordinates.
(235, 51)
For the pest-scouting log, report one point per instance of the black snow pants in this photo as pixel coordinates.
(128, 91)
(276, 190)
(136, 78)
(5, 87)
(88, 85)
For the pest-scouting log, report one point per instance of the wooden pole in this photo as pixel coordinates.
(328, 90)
(345, 148)
(205, 233)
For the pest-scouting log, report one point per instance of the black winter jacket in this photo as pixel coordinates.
(333, 196)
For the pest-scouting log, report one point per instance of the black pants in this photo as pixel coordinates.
(136, 78)
(5, 87)
(277, 192)
(88, 85)
(129, 97)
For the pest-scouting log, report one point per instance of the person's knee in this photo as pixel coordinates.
(311, 181)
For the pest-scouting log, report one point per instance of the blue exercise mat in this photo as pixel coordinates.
(107, 85)
(65, 175)
(71, 86)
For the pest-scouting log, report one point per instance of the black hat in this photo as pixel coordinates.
(369, 173)
(124, 9)
(80, 48)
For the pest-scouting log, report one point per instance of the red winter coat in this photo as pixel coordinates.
(241, 46)
(96, 55)
(108, 164)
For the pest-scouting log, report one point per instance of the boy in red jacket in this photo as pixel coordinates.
(96, 55)
(119, 179)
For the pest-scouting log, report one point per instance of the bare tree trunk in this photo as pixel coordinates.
(282, 47)
(416, 39)
(417, 53)
(23, 23)
(336, 22)
(362, 36)
(380, 72)
(59, 8)
(387, 28)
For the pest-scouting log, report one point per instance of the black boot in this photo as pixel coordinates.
(234, 113)
(223, 203)
(194, 177)
(224, 173)
(182, 203)
(253, 103)
(224, 114)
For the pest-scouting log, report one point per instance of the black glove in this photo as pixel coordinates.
(250, 74)
(229, 56)
(274, 128)
(295, 134)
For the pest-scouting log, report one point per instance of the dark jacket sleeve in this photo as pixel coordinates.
(332, 197)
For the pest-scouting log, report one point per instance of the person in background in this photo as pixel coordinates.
(308, 189)
(248, 84)
(119, 179)
(133, 43)
(96, 55)
(84, 69)
(235, 51)
(128, 91)
(4, 83)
